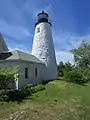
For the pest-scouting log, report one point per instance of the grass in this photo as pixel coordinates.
(59, 101)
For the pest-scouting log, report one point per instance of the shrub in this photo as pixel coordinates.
(61, 67)
(86, 73)
(3, 96)
(16, 95)
(37, 88)
(76, 75)
(27, 90)
(19, 95)
(7, 76)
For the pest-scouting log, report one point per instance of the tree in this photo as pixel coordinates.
(64, 67)
(60, 67)
(82, 55)
(68, 66)
(7, 76)
(77, 75)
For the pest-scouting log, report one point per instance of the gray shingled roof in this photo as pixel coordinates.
(3, 46)
(19, 55)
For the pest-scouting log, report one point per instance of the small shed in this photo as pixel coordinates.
(31, 69)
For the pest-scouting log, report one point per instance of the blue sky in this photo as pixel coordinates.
(70, 23)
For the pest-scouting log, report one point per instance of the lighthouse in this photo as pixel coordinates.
(43, 47)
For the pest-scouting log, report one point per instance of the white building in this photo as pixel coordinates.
(38, 66)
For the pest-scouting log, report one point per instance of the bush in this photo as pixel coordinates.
(7, 76)
(61, 67)
(12, 95)
(86, 73)
(3, 96)
(27, 90)
(76, 75)
(16, 95)
(37, 88)
(19, 95)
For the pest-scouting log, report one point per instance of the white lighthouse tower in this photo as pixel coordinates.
(43, 47)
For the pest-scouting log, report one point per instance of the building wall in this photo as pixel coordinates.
(32, 79)
(43, 49)
(31, 73)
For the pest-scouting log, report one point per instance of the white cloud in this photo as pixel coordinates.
(20, 48)
(67, 40)
(13, 31)
(11, 13)
(48, 8)
(64, 56)
(26, 31)
(13, 23)
(32, 8)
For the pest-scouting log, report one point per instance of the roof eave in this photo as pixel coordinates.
(19, 60)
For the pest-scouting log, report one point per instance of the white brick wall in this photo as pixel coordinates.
(44, 50)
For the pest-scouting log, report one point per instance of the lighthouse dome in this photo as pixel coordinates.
(42, 17)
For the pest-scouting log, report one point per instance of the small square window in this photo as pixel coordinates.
(38, 30)
(26, 72)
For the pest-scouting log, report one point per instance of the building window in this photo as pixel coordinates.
(35, 72)
(26, 72)
(0, 66)
(38, 30)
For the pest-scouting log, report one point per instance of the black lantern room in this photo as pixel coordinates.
(42, 17)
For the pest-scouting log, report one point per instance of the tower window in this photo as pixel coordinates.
(26, 72)
(35, 72)
(38, 30)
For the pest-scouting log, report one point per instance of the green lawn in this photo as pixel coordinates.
(59, 101)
